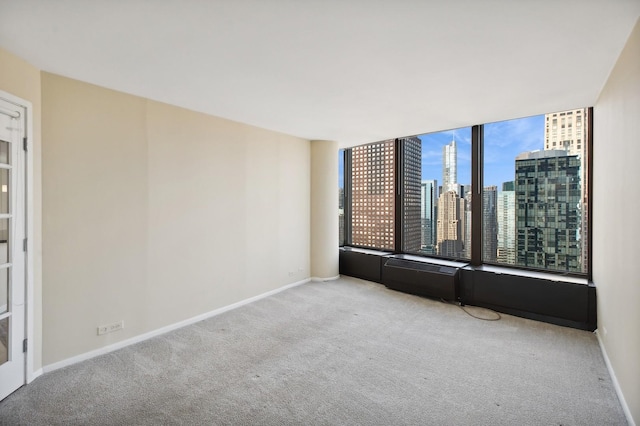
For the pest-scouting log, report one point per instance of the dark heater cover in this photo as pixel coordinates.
(421, 278)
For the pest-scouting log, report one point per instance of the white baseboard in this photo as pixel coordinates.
(318, 279)
(616, 385)
(34, 375)
(119, 345)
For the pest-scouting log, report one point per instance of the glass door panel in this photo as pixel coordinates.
(12, 257)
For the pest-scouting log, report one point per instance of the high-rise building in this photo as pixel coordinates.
(451, 230)
(465, 193)
(569, 131)
(450, 167)
(507, 224)
(450, 225)
(412, 173)
(547, 218)
(428, 208)
(490, 224)
(566, 130)
(509, 186)
(373, 195)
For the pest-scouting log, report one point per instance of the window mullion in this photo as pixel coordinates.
(398, 212)
(348, 197)
(589, 187)
(476, 194)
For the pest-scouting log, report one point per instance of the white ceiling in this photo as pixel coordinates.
(354, 71)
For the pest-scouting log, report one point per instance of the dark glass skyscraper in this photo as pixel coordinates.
(547, 216)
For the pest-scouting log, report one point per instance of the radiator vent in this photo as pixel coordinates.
(421, 278)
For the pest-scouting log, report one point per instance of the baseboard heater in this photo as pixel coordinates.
(362, 263)
(563, 300)
(423, 277)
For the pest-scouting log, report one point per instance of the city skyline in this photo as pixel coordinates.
(532, 198)
(503, 141)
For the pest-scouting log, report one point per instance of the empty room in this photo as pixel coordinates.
(277, 212)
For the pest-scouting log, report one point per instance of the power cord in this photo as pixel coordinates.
(461, 306)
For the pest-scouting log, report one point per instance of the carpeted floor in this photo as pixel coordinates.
(336, 353)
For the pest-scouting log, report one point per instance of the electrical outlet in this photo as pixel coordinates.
(110, 328)
(116, 326)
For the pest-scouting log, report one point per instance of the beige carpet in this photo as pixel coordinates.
(338, 353)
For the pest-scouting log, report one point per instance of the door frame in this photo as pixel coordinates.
(32, 344)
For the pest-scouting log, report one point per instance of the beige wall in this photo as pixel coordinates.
(23, 80)
(616, 228)
(154, 214)
(324, 209)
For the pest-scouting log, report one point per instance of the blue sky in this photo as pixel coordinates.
(432, 144)
(503, 141)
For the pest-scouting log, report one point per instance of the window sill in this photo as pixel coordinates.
(366, 251)
(548, 276)
(431, 260)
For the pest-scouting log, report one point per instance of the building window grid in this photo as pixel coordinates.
(372, 194)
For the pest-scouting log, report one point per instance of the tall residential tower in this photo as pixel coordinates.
(451, 227)
(547, 220)
(569, 131)
(428, 209)
(507, 224)
(373, 195)
(450, 167)
(490, 224)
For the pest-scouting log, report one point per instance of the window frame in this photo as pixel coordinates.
(477, 203)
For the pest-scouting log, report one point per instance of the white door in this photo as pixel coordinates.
(12, 247)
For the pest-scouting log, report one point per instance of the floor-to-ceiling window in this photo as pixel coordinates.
(535, 192)
(530, 197)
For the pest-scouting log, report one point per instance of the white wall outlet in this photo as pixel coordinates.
(109, 328)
